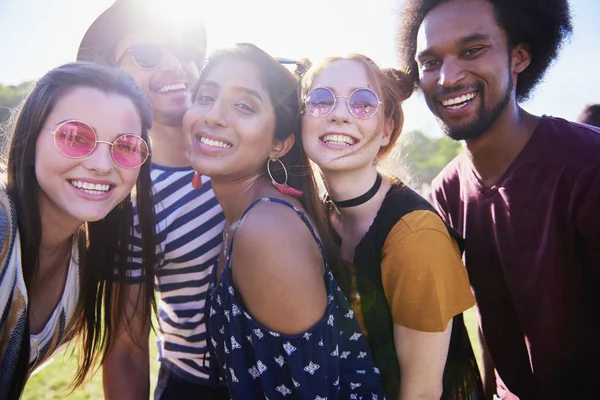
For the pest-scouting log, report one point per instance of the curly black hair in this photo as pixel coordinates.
(541, 24)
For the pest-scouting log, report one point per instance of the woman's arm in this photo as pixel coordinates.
(278, 270)
(126, 370)
(426, 285)
(422, 358)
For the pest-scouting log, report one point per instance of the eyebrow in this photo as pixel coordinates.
(474, 37)
(249, 91)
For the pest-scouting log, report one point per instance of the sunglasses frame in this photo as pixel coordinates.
(379, 102)
(129, 52)
(111, 144)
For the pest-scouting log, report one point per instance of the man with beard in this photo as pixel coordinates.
(164, 59)
(525, 192)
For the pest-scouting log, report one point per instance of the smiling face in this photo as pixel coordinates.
(85, 189)
(464, 67)
(339, 140)
(168, 86)
(231, 124)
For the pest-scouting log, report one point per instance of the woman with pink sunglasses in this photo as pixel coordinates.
(402, 269)
(79, 147)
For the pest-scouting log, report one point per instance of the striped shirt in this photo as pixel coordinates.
(190, 224)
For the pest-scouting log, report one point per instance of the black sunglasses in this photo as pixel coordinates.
(148, 56)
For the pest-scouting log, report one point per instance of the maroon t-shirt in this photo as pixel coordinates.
(533, 255)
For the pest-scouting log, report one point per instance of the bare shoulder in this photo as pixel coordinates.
(278, 269)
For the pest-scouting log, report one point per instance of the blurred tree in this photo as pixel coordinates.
(10, 96)
(424, 157)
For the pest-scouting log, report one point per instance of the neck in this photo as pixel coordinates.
(493, 152)
(57, 233)
(344, 185)
(169, 146)
(235, 197)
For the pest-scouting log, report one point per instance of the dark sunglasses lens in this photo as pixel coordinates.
(75, 139)
(129, 151)
(146, 56)
(319, 102)
(363, 103)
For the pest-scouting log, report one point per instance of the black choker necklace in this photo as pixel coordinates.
(363, 198)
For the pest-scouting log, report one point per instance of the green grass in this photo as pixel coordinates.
(53, 380)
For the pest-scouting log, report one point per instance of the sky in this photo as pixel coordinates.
(38, 35)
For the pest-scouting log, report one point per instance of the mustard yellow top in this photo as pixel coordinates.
(424, 279)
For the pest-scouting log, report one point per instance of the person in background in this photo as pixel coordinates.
(279, 326)
(524, 192)
(164, 57)
(79, 147)
(402, 269)
(590, 115)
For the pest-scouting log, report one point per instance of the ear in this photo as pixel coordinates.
(521, 58)
(388, 127)
(282, 147)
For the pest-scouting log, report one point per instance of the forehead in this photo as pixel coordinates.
(236, 72)
(451, 21)
(111, 113)
(342, 75)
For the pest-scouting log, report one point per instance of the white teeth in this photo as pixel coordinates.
(174, 86)
(458, 100)
(92, 188)
(214, 143)
(340, 140)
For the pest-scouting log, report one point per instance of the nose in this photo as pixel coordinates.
(214, 115)
(340, 112)
(169, 62)
(450, 74)
(100, 161)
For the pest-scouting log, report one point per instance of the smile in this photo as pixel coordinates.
(459, 102)
(90, 188)
(338, 139)
(172, 87)
(214, 143)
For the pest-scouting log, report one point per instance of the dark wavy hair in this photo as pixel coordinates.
(105, 246)
(541, 24)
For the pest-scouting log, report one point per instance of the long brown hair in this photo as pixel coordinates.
(105, 246)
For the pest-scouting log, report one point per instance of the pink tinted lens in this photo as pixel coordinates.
(319, 102)
(129, 151)
(363, 103)
(75, 139)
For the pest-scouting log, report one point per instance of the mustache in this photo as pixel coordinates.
(458, 88)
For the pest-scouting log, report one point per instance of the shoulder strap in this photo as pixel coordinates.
(293, 207)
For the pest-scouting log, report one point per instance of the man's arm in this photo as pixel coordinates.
(126, 370)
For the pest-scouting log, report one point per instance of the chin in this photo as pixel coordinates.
(172, 118)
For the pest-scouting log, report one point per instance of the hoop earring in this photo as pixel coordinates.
(282, 187)
(197, 181)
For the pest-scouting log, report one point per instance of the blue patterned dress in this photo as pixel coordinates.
(331, 360)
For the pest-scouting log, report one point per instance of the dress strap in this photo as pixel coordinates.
(293, 207)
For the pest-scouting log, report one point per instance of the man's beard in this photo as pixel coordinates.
(173, 119)
(485, 116)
